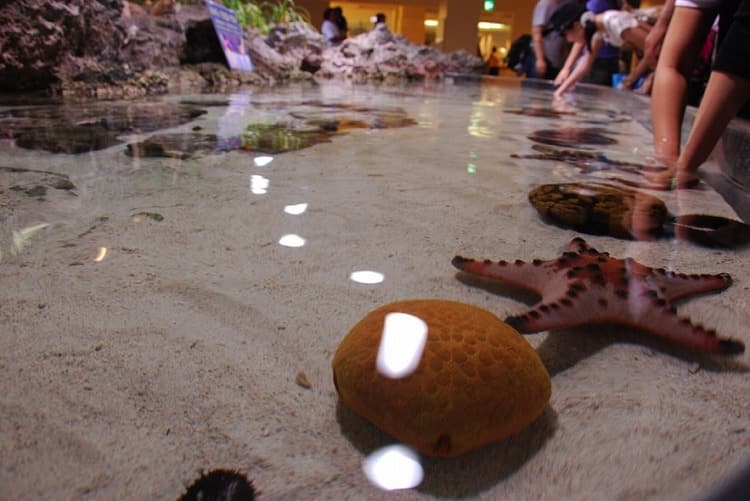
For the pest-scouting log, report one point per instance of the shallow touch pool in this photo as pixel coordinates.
(157, 311)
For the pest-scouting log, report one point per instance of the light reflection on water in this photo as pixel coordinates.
(393, 468)
(367, 277)
(401, 345)
(262, 161)
(292, 240)
(259, 184)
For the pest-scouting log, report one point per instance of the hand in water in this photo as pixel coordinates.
(561, 76)
(671, 178)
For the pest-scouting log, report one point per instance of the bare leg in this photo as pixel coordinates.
(687, 32)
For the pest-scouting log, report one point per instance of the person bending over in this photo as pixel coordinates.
(588, 32)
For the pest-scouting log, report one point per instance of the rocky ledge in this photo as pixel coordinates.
(113, 48)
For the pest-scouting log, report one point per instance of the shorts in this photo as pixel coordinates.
(733, 56)
(698, 4)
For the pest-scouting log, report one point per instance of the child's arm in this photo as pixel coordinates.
(637, 72)
(636, 37)
(573, 55)
(657, 33)
(583, 68)
(540, 65)
(580, 71)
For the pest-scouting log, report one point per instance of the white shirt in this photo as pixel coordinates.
(330, 31)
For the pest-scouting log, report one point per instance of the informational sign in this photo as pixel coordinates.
(229, 31)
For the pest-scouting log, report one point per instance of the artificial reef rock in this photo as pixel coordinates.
(474, 381)
(115, 48)
(44, 40)
(381, 55)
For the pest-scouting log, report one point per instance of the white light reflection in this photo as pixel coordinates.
(296, 209)
(101, 255)
(262, 161)
(401, 345)
(367, 277)
(21, 237)
(292, 240)
(259, 184)
(393, 467)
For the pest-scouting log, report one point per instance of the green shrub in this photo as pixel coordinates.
(265, 15)
(261, 15)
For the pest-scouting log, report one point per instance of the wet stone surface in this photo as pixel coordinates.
(21, 186)
(586, 161)
(572, 136)
(182, 146)
(539, 112)
(81, 128)
(309, 123)
(279, 138)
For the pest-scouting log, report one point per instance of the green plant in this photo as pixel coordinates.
(285, 11)
(264, 16)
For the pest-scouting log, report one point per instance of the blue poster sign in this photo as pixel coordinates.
(229, 32)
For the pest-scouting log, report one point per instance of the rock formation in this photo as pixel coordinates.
(380, 55)
(114, 48)
(44, 41)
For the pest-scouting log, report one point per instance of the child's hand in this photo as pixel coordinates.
(560, 78)
(671, 179)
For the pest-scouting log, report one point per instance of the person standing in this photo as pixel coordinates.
(494, 62)
(341, 22)
(329, 29)
(548, 46)
(378, 19)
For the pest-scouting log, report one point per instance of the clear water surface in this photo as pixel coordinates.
(175, 283)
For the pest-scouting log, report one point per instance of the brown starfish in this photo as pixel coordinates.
(584, 286)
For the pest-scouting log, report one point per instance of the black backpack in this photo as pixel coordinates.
(518, 52)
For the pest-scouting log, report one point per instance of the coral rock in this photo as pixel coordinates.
(477, 381)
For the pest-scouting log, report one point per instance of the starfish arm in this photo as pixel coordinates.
(674, 286)
(535, 276)
(572, 309)
(637, 309)
(667, 324)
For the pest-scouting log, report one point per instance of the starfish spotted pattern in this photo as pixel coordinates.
(584, 286)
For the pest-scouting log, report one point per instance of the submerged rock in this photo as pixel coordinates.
(601, 210)
(220, 485)
(572, 137)
(94, 126)
(181, 146)
(309, 123)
